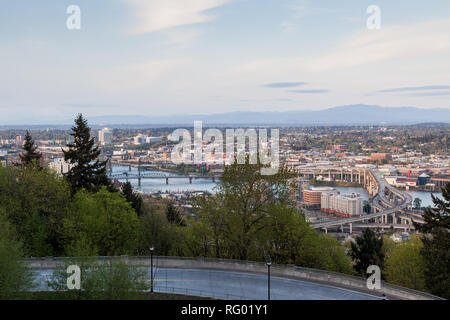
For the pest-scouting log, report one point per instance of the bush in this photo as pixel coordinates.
(111, 279)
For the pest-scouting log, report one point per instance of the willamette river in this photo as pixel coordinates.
(179, 185)
(175, 185)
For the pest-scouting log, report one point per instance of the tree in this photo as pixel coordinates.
(30, 156)
(417, 203)
(366, 206)
(133, 198)
(103, 222)
(436, 244)
(15, 279)
(248, 199)
(156, 231)
(405, 265)
(35, 201)
(368, 250)
(106, 280)
(173, 215)
(88, 172)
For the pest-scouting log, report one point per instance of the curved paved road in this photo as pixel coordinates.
(239, 285)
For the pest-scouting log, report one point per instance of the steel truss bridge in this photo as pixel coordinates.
(156, 175)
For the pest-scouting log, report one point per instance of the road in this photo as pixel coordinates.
(239, 286)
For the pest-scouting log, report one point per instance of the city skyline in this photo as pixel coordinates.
(215, 56)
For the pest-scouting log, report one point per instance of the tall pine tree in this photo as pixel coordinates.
(88, 171)
(133, 198)
(368, 250)
(30, 156)
(436, 244)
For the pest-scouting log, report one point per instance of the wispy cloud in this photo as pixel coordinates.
(298, 11)
(285, 84)
(422, 88)
(390, 42)
(310, 91)
(88, 105)
(431, 94)
(156, 15)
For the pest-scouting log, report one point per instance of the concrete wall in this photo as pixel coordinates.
(290, 271)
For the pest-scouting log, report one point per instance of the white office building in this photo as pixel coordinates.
(105, 136)
(341, 205)
(60, 166)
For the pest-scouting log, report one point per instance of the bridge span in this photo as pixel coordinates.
(158, 175)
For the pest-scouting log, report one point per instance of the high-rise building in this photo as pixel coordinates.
(19, 141)
(105, 136)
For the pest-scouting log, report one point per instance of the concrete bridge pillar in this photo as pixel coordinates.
(326, 231)
(351, 228)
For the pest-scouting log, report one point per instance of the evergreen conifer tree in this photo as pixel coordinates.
(133, 198)
(30, 156)
(88, 171)
(436, 244)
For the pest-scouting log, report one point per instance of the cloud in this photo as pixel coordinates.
(297, 11)
(284, 84)
(310, 91)
(88, 105)
(422, 88)
(431, 94)
(157, 15)
(390, 42)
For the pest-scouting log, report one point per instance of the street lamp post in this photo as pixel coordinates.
(268, 262)
(151, 268)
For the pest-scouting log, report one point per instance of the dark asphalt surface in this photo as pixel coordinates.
(238, 285)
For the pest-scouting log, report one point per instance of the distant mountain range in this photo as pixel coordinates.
(343, 115)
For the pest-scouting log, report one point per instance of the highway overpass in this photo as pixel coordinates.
(383, 205)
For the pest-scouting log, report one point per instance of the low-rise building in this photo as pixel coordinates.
(60, 166)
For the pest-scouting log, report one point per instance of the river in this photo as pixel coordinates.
(159, 185)
(180, 185)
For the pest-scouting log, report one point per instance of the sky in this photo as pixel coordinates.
(171, 57)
